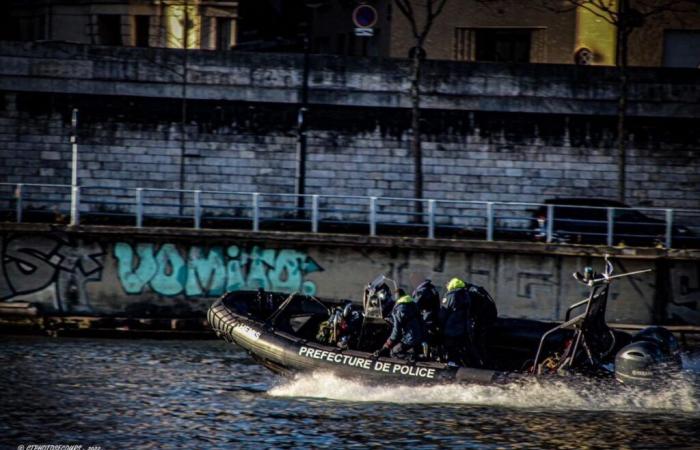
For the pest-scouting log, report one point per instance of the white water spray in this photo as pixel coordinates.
(679, 395)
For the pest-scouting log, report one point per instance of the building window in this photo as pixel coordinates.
(502, 45)
(223, 33)
(31, 28)
(109, 29)
(142, 27)
(682, 48)
(340, 47)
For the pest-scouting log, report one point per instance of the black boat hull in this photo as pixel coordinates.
(287, 354)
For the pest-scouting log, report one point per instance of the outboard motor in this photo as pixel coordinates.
(638, 362)
(653, 354)
(664, 338)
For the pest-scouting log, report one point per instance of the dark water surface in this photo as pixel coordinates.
(202, 394)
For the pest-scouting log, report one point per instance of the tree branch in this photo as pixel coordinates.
(407, 10)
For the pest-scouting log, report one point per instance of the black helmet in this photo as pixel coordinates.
(665, 339)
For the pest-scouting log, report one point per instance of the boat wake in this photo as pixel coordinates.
(679, 395)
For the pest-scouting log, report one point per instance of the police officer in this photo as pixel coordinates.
(428, 299)
(455, 320)
(407, 330)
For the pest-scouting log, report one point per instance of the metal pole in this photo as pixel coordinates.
(75, 213)
(431, 219)
(611, 218)
(74, 201)
(373, 216)
(197, 209)
(314, 213)
(256, 212)
(489, 221)
(18, 195)
(300, 180)
(139, 207)
(669, 228)
(550, 222)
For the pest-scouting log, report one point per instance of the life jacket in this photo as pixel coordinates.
(483, 307)
(407, 325)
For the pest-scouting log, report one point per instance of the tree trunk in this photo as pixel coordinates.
(622, 35)
(416, 148)
(183, 109)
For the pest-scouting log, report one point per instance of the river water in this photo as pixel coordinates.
(201, 394)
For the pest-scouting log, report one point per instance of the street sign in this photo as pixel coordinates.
(364, 32)
(364, 16)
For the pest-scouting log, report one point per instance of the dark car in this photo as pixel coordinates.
(589, 221)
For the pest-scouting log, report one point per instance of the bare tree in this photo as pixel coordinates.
(626, 18)
(420, 15)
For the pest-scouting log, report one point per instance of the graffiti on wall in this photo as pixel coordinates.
(209, 272)
(49, 271)
(684, 302)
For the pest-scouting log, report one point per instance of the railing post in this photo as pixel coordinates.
(139, 207)
(611, 225)
(197, 209)
(18, 195)
(669, 228)
(431, 219)
(373, 216)
(75, 190)
(314, 213)
(550, 222)
(489, 221)
(256, 211)
(75, 206)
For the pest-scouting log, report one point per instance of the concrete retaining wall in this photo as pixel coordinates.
(110, 271)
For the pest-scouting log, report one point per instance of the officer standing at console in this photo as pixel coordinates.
(455, 322)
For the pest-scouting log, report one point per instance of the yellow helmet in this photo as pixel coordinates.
(455, 283)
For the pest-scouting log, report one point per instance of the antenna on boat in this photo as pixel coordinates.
(589, 279)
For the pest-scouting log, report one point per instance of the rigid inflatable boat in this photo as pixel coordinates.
(281, 331)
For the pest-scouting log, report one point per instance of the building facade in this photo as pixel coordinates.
(534, 31)
(200, 24)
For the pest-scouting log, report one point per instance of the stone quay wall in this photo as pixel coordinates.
(492, 132)
(160, 272)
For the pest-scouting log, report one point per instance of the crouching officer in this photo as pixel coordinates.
(407, 331)
(427, 297)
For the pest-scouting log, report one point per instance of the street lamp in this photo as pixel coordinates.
(300, 179)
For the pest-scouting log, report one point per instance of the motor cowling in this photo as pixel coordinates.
(664, 338)
(654, 354)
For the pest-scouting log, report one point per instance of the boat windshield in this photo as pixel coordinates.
(377, 281)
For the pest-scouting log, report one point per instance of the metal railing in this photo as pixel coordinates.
(356, 214)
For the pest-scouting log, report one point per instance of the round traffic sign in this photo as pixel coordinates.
(364, 16)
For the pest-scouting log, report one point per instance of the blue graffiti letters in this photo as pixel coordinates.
(209, 272)
(205, 273)
(134, 280)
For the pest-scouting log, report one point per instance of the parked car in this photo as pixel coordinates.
(585, 220)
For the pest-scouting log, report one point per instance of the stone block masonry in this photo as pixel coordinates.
(554, 139)
(502, 157)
